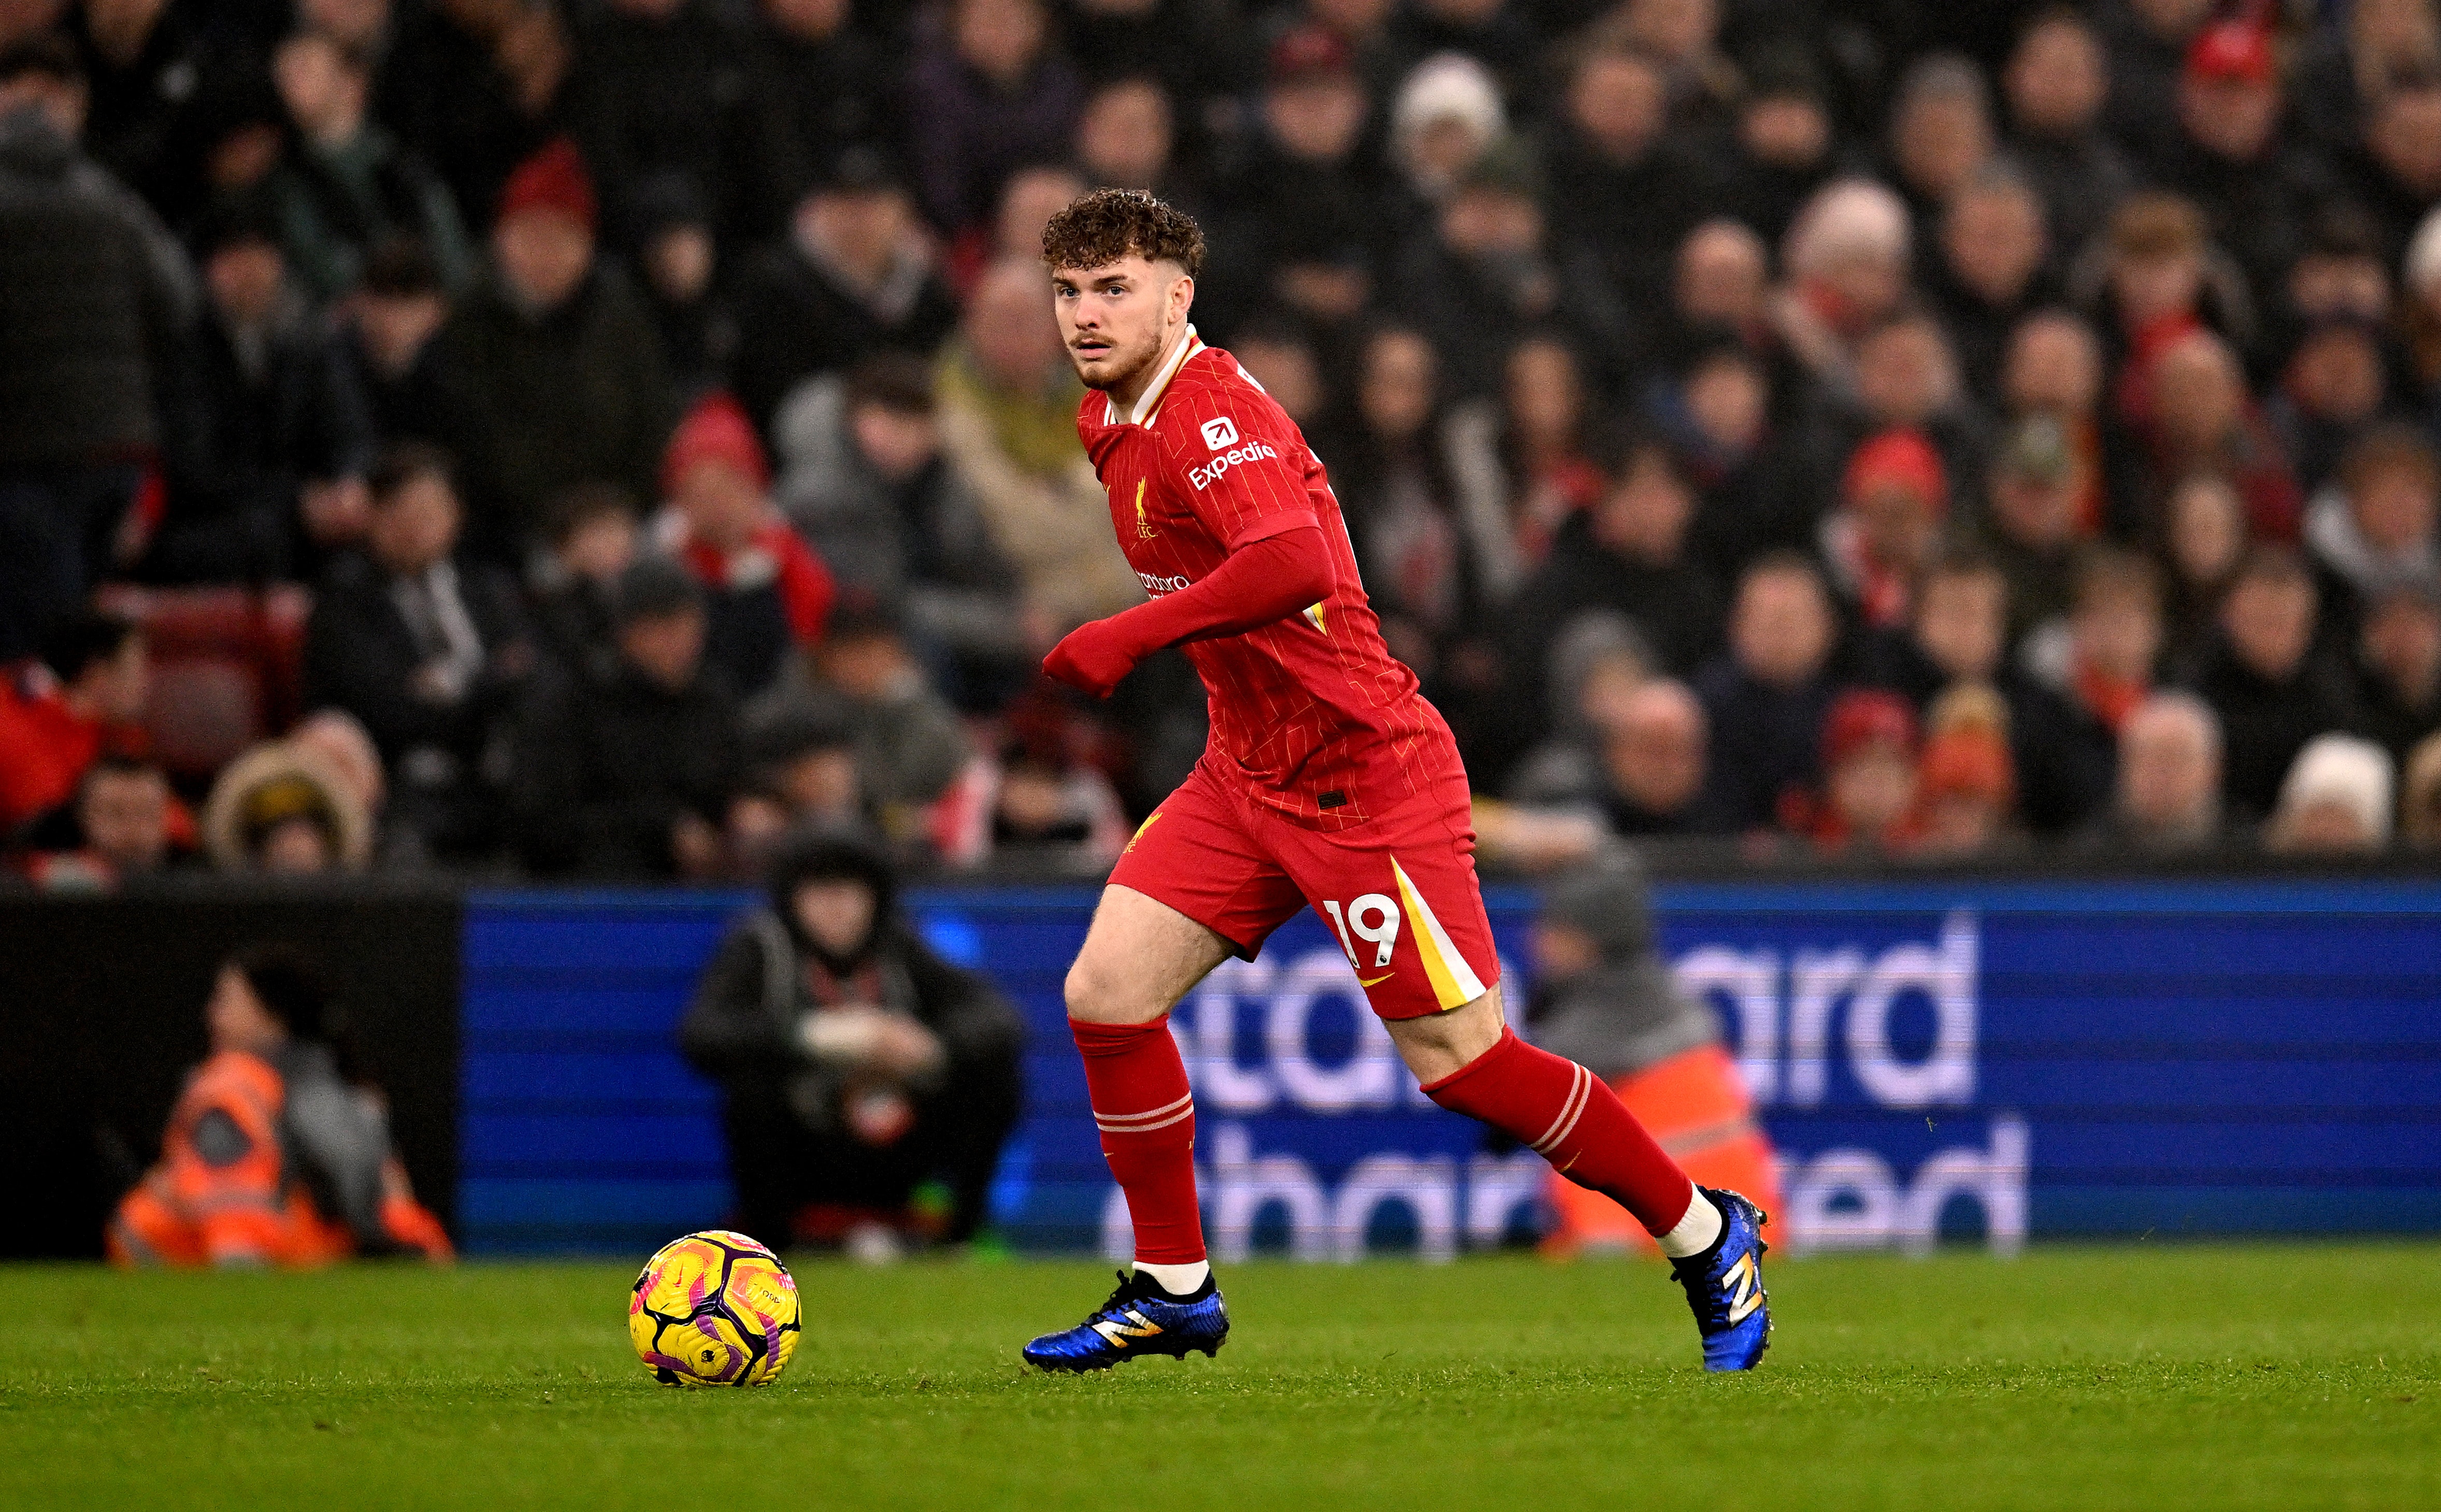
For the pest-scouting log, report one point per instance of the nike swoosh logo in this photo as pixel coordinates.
(1375, 982)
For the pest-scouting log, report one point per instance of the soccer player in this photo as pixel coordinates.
(1328, 780)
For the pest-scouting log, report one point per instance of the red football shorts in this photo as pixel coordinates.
(1398, 891)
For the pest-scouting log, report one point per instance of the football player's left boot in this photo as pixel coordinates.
(1140, 1319)
(1724, 1287)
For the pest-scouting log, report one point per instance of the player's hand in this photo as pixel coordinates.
(1093, 657)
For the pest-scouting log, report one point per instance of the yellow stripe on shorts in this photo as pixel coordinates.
(1455, 984)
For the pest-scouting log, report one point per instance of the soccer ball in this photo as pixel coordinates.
(713, 1309)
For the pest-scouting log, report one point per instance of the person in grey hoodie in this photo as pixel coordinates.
(1606, 997)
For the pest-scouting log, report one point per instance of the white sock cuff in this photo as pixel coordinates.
(1176, 1280)
(1697, 1230)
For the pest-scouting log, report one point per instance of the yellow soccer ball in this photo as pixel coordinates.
(713, 1309)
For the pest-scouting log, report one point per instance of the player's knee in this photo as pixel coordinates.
(1096, 995)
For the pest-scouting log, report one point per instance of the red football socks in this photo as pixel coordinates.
(1146, 1115)
(1567, 1115)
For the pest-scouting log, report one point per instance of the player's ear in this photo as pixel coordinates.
(1182, 296)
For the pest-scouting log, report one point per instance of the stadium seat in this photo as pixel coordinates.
(227, 665)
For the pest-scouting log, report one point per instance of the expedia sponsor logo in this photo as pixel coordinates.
(1209, 473)
(1157, 586)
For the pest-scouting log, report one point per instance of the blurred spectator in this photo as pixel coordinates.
(1604, 997)
(2336, 800)
(475, 88)
(2203, 419)
(1940, 130)
(680, 260)
(1486, 274)
(277, 1152)
(866, 480)
(2377, 532)
(347, 750)
(125, 825)
(866, 1085)
(909, 745)
(145, 65)
(551, 370)
(1766, 699)
(629, 776)
(2398, 657)
(1647, 777)
(2203, 539)
(61, 711)
(1785, 146)
(593, 540)
(1124, 138)
(1720, 288)
(854, 275)
(766, 592)
(1892, 498)
(2169, 789)
(2103, 659)
(347, 184)
(1627, 553)
(1596, 660)
(2053, 369)
(283, 810)
(93, 300)
(387, 331)
(426, 646)
(2148, 42)
(2396, 171)
(821, 85)
(1008, 426)
(2333, 386)
(1847, 256)
(2056, 82)
(802, 776)
(665, 92)
(2273, 694)
(2228, 156)
(1544, 417)
(2030, 526)
(2060, 761)
(1303, 213)
(1990, 275)
(1624, 189)
(1038, 802)
(2343, 64)
(1447, 111)
(988, 91)
(1868, 799)
(1965, 793)
(2420, 800)
(1422, 522)
(267, 470)
(2152, 281)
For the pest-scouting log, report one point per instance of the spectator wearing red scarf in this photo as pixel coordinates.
(768, 591)
(63, 712)
(1891, 503)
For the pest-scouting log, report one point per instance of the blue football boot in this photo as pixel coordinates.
(1724, 1287)
(1140, 1319)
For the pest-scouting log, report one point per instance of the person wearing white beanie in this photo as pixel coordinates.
(2336, 799)
(1448, 111)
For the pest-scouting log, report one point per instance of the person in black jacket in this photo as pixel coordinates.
(421, 645)
(865, 1081)
(629, 775)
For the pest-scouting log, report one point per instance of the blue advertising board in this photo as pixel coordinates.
(1984, 1060)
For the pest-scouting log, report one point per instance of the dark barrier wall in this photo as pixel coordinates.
(1984, 1057)
(102, 1004)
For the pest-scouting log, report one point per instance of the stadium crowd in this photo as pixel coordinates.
(599, 439)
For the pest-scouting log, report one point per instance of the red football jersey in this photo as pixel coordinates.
(1312, 715)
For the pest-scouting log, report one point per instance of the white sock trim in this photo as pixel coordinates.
(1695, 1232)
(1176, 1280)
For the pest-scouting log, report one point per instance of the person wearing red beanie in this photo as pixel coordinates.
(544, 234)
(767, 590)
(1892, 501)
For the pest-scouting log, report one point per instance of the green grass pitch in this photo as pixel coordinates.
(2150, 1377)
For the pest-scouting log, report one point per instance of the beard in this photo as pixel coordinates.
(1118, 366)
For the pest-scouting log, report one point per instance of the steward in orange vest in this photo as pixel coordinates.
(1605, 997)
(272, 1158)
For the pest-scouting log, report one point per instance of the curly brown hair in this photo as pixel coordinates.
(1098, 229)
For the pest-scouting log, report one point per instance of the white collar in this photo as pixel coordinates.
(1150, 401)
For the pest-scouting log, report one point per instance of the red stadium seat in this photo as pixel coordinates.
(228, 663)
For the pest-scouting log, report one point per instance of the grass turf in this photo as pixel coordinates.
(2207, 1377)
